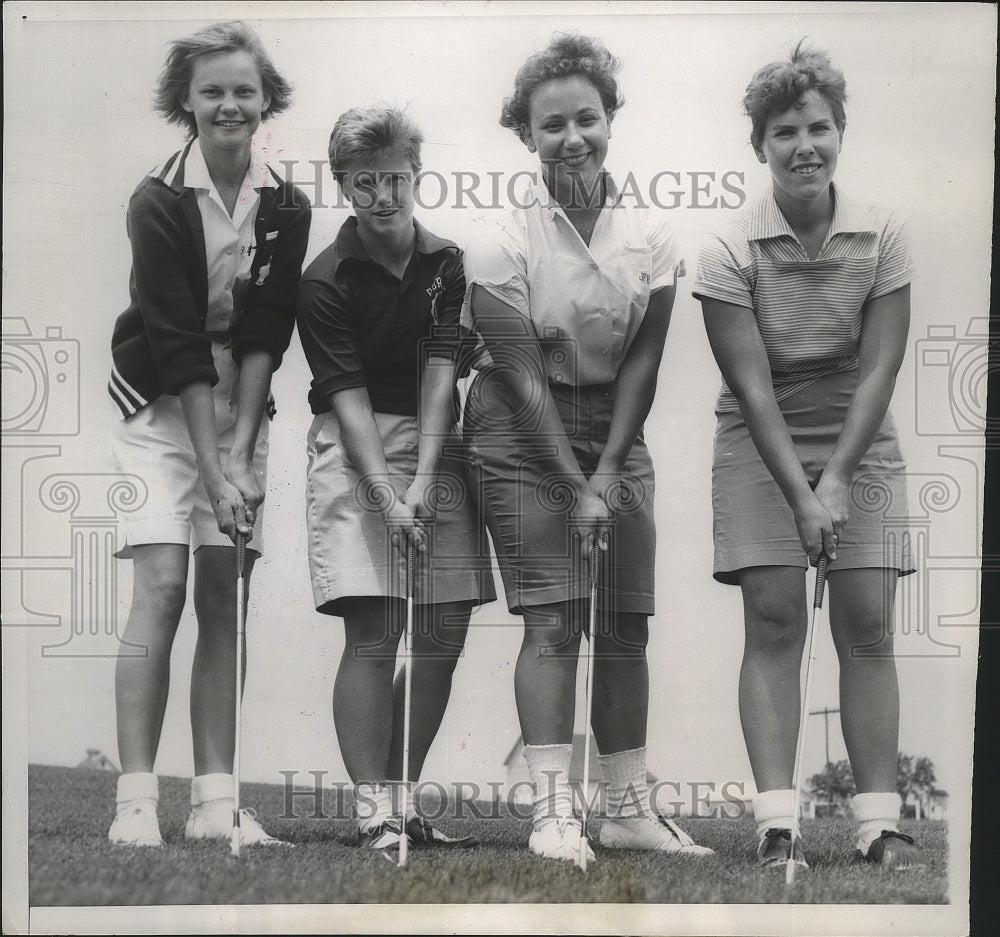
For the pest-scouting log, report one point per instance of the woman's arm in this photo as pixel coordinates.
(740, 354)
(227, 502)
(636, 388)
(435, 423)
(255, 382)
(885, 325)
(362, 442)
(510, 340)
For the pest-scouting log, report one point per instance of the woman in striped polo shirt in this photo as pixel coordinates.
(806, 303)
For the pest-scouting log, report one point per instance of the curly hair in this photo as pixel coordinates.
(567, 54)
(778, 86)
(364, 132)
(233, 36)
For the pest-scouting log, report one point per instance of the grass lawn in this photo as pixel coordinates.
(70, 861)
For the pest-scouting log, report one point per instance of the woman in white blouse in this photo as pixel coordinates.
(572, 292)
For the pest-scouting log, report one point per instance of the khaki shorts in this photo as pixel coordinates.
(350, 553)
(753, 524)
(528, 509)
(154, 445)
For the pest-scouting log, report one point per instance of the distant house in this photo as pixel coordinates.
(517, 780)
(98, 760)
(932, 806)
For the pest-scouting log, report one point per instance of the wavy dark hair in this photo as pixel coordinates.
(232, 36)
(778, 86)
(567, 54)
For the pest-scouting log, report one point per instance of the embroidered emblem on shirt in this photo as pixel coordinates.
(435, 291)
(645, 278)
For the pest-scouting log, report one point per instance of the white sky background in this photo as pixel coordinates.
(80, 134)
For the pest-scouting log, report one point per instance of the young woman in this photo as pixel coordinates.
(217, 246)
(378, 316)
(572, 294)
(806, 301)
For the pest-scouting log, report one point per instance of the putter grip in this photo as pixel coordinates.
(821, 565)
(409, 568)
(241, 554)
(595, 565)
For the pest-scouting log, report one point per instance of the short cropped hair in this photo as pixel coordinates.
(779, 86)
(371, 131)
(233, 36)
(567, 54)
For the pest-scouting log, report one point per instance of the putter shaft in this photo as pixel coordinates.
(236, 836)
(595, 560)
(821, 567)
(407, 693)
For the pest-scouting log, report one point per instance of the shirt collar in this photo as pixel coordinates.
(348, 243)
(196, 176)
(541, 194)
(767, 221)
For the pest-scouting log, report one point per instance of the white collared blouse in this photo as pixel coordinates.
(585, 303)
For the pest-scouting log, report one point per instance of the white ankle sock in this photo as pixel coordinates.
(548, 766)
(137, 786)
(628, 792)
(372, 804)
(875, 812)
(211, 789)
(774, 810)
(411, 805)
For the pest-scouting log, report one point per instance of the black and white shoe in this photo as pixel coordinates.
(893, 850)
(775, 849)
(385, 836)
(422, 834)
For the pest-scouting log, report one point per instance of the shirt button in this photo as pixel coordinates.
(593, 266)
(602, 312)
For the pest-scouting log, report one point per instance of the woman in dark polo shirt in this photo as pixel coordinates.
(378, 317)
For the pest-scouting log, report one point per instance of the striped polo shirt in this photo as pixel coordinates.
(809, 312)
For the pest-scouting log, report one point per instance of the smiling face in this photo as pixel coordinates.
(226, 98)
(569, 131)
(801, 147)
(381, 192)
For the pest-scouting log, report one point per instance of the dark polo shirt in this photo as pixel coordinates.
(361, 326)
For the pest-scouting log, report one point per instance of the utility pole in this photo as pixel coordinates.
(825, 712)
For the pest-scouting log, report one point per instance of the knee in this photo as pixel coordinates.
(858, 627)
(626, 634)
(162, 590)
(774, 630)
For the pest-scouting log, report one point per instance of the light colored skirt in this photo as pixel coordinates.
(753, 524)
(350, 553)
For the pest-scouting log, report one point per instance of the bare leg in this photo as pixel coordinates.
(621, 684)
(545, 674)
(775, 614)
(438, 638)
(861, 605)
(362, 692)
(142, 683)
(213, 674)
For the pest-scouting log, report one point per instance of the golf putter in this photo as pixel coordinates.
(404, 841)
(595, 561)
(821, 566)
(235, 836)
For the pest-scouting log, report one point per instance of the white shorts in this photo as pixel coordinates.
(154, 445)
